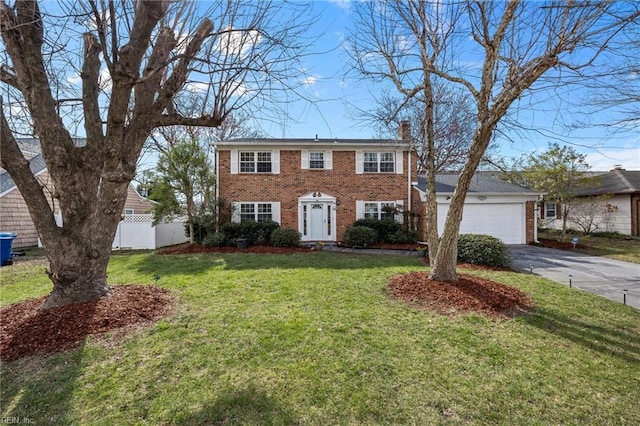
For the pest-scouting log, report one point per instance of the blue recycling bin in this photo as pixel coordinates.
(6, 243)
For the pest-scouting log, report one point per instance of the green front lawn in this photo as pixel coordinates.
(313, 339)
(619, 247)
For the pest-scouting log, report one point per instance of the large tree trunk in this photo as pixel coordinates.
(79, 251)
(78, 275)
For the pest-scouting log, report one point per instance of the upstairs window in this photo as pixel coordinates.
(379, 162)
(255, 162)
(316, 160)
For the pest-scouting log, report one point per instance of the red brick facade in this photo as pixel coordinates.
(293, 182)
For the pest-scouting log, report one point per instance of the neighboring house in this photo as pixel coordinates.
(611, 204)
(492, 206)
(14, 215)
(316, 186)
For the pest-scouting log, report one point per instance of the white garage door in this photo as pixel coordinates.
(504, 221)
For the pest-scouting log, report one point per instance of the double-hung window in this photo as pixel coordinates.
(379, 162)
(316, 160)
(256, 212)
(379, 210)
(260, 211)
(550, 210)
(255, 162)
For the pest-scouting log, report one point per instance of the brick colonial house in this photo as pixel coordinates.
(316, 186)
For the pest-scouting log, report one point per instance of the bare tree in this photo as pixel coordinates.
(497, 51)
(135, 58)
(454, 123)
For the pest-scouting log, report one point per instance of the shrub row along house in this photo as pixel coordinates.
(320, 187)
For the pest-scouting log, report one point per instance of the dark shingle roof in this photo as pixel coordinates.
(36, 164)
(312, 142)
(481, 183)
(617, 181)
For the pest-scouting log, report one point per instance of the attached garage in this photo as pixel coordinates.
(492, 207)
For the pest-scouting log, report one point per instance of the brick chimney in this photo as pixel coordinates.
(404, 131)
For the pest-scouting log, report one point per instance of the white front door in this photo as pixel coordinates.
(317, 217)
(317, 221)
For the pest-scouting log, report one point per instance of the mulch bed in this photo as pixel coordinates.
(24, 330)
(468, 294)
(561, 245)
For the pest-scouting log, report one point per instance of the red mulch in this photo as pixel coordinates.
(561, 245)
(24, 330)
(469, 294)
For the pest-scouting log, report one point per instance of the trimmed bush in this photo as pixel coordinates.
(384, 228)
(285, 237)
(360, 236)
(403, 237)
(482, 249)
(217, 239)
(256, 232)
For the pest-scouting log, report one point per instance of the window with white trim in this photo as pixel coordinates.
(550, 210)
(316, 160)
(128, 211)
(379, 162)
(381, 210)
(255, 211)
(255, 162)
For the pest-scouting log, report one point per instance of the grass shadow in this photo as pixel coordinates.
(248, 406)
(167, 265)
(29, 385)
(611, 341)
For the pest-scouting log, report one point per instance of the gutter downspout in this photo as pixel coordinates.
(215, 156)
(409, 185)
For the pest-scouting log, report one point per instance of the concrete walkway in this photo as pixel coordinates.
(608, 278)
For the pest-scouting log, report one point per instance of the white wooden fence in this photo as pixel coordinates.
(136, 231)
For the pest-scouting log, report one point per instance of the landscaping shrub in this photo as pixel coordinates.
(360, 236)
(203, 225)
(217, 239)
(482, 250)
(285, 237)
(403, 237)
(384, 228)
(256, 232)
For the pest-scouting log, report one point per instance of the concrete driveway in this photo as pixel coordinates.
(605, 277)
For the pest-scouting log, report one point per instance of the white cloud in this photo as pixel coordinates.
(342, 4)
(628, 157)
(310, 80)
(195, 87)
(74, 79)
(104, 80)
(237, 42)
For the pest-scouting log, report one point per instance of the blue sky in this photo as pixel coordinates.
(332, 114)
